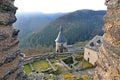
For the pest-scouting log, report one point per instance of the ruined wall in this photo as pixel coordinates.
(108, 67)
(9, 53)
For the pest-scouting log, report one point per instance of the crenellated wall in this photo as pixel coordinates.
(108, 67)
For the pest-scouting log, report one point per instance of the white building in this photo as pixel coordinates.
(61, 42)
(91, 50)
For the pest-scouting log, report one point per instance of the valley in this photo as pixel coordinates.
(79, 26)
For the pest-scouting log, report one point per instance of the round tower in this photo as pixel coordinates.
(61, 42)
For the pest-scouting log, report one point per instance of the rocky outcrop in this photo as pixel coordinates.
(10, 63)
(108, 67)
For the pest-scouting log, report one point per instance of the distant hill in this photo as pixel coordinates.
(78, 26)
(30, 22)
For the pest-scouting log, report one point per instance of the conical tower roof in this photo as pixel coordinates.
(61, 38)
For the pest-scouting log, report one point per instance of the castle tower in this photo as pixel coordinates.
(108, 66)
(61, 41)
(9, 52)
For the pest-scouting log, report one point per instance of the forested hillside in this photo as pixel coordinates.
(78, 26)
(30, 22)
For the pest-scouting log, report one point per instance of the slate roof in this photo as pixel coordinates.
(95, 43)
(61, 38)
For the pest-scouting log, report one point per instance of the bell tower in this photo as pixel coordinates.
(61, 42)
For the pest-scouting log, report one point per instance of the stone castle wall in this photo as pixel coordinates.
(108, 67)
(9, 51)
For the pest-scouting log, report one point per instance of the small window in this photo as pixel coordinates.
(98, 41)
(91, 44)
(95, 63)
(88, 53)
(88, 59)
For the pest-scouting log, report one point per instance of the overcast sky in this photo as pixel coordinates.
(54, 6)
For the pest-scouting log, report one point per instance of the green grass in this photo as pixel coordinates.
(68, 60)
(78, 57)
(27, 69)
(86, 64)
(55, 60)
(40, 65)
(52, 59)
(43, 64)
(58, 58)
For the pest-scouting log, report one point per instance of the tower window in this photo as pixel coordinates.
(91, 44)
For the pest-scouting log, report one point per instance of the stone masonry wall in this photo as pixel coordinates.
(9, 52)
(108, 67)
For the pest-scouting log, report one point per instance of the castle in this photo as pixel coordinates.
(108, 65)
(91, 50)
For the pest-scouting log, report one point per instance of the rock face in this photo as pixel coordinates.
(10, 62)
(108, 67)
